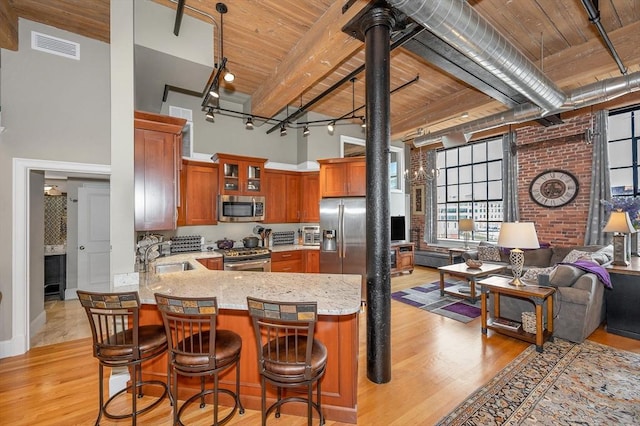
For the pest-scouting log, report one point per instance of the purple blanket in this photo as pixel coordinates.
(594, 268)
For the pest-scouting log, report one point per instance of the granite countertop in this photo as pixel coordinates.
(336, 294)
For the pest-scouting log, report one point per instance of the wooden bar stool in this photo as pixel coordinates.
(288, 355)
(197, 349)
(119, 341)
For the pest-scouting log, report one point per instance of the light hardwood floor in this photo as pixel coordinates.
(436, 363)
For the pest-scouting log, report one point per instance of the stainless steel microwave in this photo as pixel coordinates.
(240, 208)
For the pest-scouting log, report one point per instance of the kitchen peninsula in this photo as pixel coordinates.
(338, 298)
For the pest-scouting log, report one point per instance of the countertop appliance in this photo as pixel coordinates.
(241, 208)
(311, 235)
(343, 237)
(246, 259)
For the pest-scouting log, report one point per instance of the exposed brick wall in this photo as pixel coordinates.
(539, 149)
(557, 147)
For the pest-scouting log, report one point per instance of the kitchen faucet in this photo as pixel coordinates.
(145, 257)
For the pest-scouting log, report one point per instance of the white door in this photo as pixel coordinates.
(93, 239)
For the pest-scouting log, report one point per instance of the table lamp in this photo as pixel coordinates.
(620, 224)
(467, 226)
(517, 236)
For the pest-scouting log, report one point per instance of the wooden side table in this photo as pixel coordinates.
(497, 285)
(471, 274)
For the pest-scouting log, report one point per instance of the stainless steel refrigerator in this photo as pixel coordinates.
(343, 237)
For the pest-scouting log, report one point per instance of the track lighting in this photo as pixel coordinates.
(283, 130)
(364, 123)
(306, 131)
(330, 126)
(210, 115)
(214, 91)
(249, 123)
(229, 76)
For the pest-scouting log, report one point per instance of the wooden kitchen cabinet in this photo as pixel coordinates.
(282, 193)
(287, 261)
(239, 175)
(199, 193)
(157, 164)
(343, 177)
(213, 263)
(310, 197)
(312, 261)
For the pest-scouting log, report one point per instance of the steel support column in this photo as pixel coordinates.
(376, 26)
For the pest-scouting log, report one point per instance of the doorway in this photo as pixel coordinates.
(21, 261)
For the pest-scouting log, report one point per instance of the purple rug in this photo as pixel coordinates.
(427, 297)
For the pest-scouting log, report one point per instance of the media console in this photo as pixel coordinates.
(402, 257)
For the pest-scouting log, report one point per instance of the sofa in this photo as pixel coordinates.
(579, 299)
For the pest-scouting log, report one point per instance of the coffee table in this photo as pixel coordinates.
(471, 274)
(497, 285)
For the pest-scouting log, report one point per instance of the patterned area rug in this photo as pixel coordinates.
(567, 384)
(427, 297)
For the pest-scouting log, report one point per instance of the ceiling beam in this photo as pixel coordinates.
(323, 48)
(8, 27)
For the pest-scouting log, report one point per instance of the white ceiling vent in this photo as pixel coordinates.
(55, 45)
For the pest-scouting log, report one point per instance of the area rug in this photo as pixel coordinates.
(427, 297)
(567, 384)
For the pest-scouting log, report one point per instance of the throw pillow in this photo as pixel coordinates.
(575, 255)
(489, 253)
(565, 275)
(532, 273)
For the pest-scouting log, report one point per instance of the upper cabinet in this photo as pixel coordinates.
(239, 175)
(310, 197)
(199, 193)
(343, 177)
(157, 164)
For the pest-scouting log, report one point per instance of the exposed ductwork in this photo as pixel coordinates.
(591, 94)
(457, 23)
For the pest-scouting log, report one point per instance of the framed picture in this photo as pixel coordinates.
(418, 200)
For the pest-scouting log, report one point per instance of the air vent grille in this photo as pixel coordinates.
(55, 45)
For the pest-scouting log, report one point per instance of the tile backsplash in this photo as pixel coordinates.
(55, 219)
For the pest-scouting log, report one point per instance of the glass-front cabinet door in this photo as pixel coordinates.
(240, 175)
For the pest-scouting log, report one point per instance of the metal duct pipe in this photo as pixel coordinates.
(595, 93)
(457, 23)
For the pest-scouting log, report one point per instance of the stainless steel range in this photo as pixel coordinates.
(246, 259)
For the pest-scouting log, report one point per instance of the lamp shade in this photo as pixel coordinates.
(466, 225)
(518, 235)
(619, 222)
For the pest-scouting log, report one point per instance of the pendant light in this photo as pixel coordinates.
(227, 75)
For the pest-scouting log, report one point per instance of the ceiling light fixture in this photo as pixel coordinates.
(331, 126)
(283, 130)
(249, 124)
(210, 115)
(228, 75)
(306, 131)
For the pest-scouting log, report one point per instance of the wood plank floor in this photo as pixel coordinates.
(436, 363)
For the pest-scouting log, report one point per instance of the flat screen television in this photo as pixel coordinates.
(398, 228)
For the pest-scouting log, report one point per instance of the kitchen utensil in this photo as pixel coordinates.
(258, 229)
(225, 243)
(250, 242)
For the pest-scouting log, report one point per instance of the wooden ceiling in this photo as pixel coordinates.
(287, 52)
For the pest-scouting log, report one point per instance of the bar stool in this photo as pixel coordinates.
(285, 357)
(119, 341)
(197, 349)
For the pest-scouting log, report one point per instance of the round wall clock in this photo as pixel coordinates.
(553, 188)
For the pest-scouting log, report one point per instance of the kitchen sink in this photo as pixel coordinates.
(173, 267)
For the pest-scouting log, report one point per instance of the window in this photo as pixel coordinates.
(469, 186)
(624, 135)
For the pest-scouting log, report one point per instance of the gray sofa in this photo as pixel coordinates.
(578, 302)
